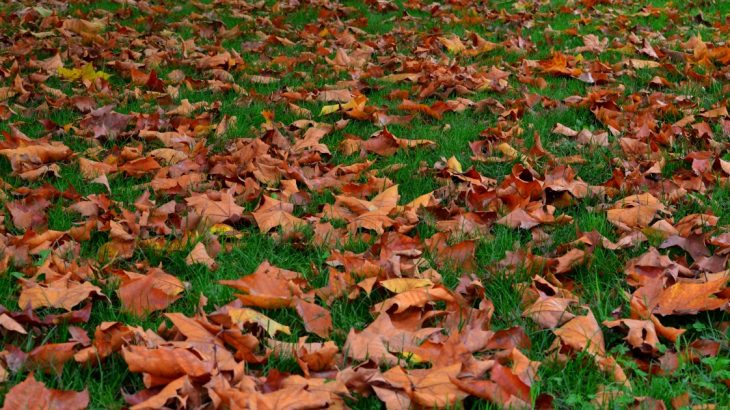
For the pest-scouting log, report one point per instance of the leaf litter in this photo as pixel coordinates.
(304, 174)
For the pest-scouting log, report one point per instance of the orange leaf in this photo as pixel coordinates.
(62, 293)
(582, 333)
(51, 357)
(199, 255)
(316, 319)
(274, 213)
(166, 362)
(32, 394)
(141, 294)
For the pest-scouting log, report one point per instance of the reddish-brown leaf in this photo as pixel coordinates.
(32, 394)
(141, 294)
(316, 319)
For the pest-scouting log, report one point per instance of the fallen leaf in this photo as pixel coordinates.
(273, 213)
(31, 394)
(62, 293)
(316, 319)
(582, 333)
(242, 316)
(199, 255)
(141, 294)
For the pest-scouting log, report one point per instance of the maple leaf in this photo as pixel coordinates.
(641, 335)
(316, 319)
(558, 65)
(434, 387)
(635, 211)
(268, 287)
(93, 169)
(105, 122)
(295, 396)
(26, 155)
(356, 103)
(86, 73)
(435, 111)
(140, 166)
(273, 213)
(311, 140)
(684, 297)
(583, 334)
(459, 255)
(418, 297)
(8, 323)
(366, 345)
(399, 285)
(172, 391)
(372, 215)
(29, 213)
(109, 337)
(572, 258)
(242, 316)
(50, 64)
(550, 312)
(215, 207)
(453, 44)
(199, 255)
(144, 293)
(592, 44)
(61, 293)
(51, 357)
(32, 394)
(81, 26)
(168, 362)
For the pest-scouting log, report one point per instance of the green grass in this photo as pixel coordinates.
(600, 284)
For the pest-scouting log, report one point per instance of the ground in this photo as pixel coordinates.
(548, 178)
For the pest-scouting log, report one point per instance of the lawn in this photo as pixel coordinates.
(364, 204)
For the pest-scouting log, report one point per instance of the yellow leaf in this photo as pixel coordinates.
(625, 49)
(330, 109)
(510, 153)
(86, 73)
(223, 229)
(399, 285)
(453, 44)
(423, 200)
(487, 46)
(636, 63)
(358, 101)
(70, 74)
(246, 315)
(412, 358)
(454, 164)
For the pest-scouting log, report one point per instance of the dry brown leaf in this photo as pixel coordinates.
(141, 294)
(635, 211)
(32, 394)
(582, 333)
(316, 319)
(273, 213)
(199, 255)
(62, 293)
(242, 316)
